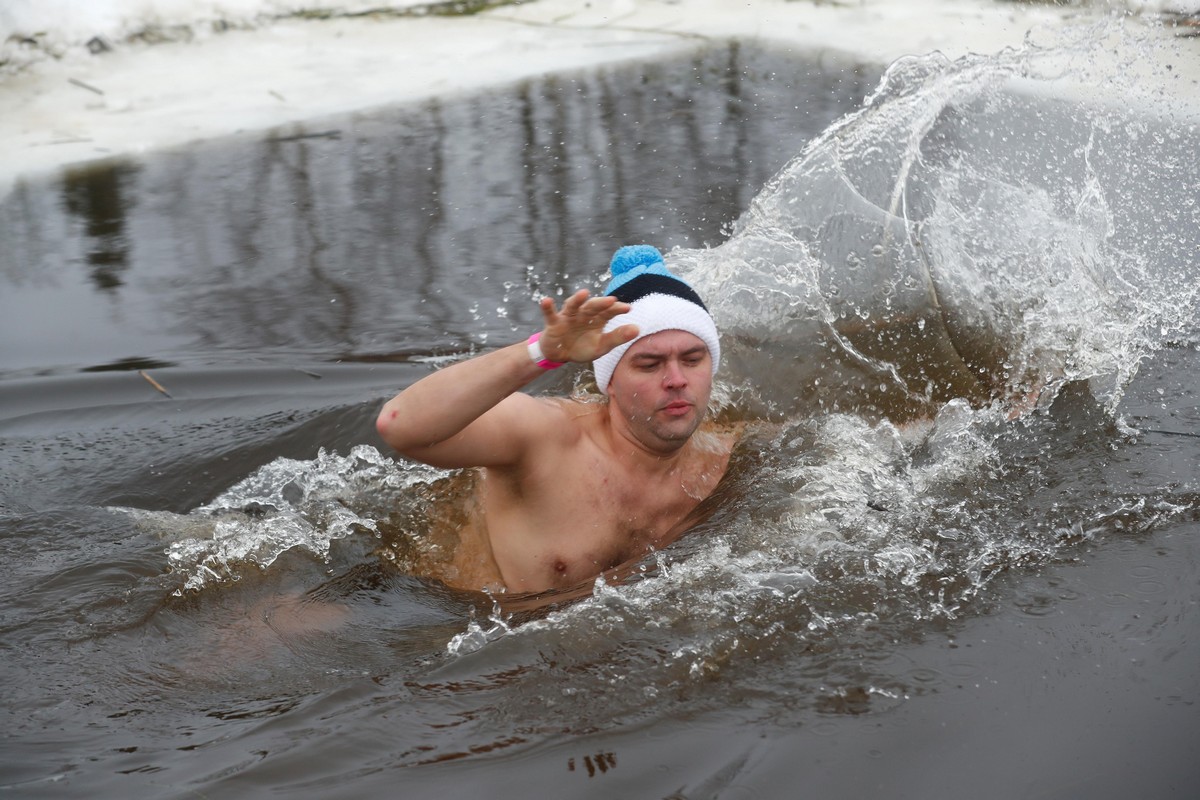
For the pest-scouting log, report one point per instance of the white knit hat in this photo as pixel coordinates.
(659, 300)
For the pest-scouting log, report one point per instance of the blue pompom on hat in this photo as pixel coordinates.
(634, 260)
(659, 300)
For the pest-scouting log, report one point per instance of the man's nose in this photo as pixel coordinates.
(674, 377)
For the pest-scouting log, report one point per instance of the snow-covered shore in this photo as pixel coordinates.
(267, 65)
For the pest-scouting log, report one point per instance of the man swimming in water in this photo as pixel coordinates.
(567, 488)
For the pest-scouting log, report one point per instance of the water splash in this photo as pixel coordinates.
(981, 227)
(843, 539)
(288, 504)
(978, 234)
(962, 240)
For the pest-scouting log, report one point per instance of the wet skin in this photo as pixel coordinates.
(567, 488)
(625, 477)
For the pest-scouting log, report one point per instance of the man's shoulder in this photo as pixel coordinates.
(560, 418)
(721, 434)
(554, 428)
(576, 406)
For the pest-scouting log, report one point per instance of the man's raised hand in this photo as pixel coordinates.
(576, 333)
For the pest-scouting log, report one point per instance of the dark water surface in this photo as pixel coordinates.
(902, 592)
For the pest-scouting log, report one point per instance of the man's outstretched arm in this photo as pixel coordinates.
(473, 414)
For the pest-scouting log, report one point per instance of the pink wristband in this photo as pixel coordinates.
(536, 355)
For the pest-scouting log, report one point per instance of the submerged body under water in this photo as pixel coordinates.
(212, 572)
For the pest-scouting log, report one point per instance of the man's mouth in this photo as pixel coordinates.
(677, 408)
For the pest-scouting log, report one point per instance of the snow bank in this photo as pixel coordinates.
(223, 66)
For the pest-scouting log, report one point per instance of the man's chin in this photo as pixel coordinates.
(677, 428)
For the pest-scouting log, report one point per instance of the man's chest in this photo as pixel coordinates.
(579, 520)
(625, 504)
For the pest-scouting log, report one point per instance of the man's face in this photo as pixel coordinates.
(661, 388)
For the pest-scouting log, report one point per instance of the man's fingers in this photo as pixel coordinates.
(617, 309)
(570, 306)
(549, 314)
(618, 336)
(575, 302)
(581, 318)
(604, 308)
(583, 304)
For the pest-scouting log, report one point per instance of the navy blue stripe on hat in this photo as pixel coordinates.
(651, 283)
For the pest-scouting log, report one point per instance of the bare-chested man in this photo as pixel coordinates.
(567, 488)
